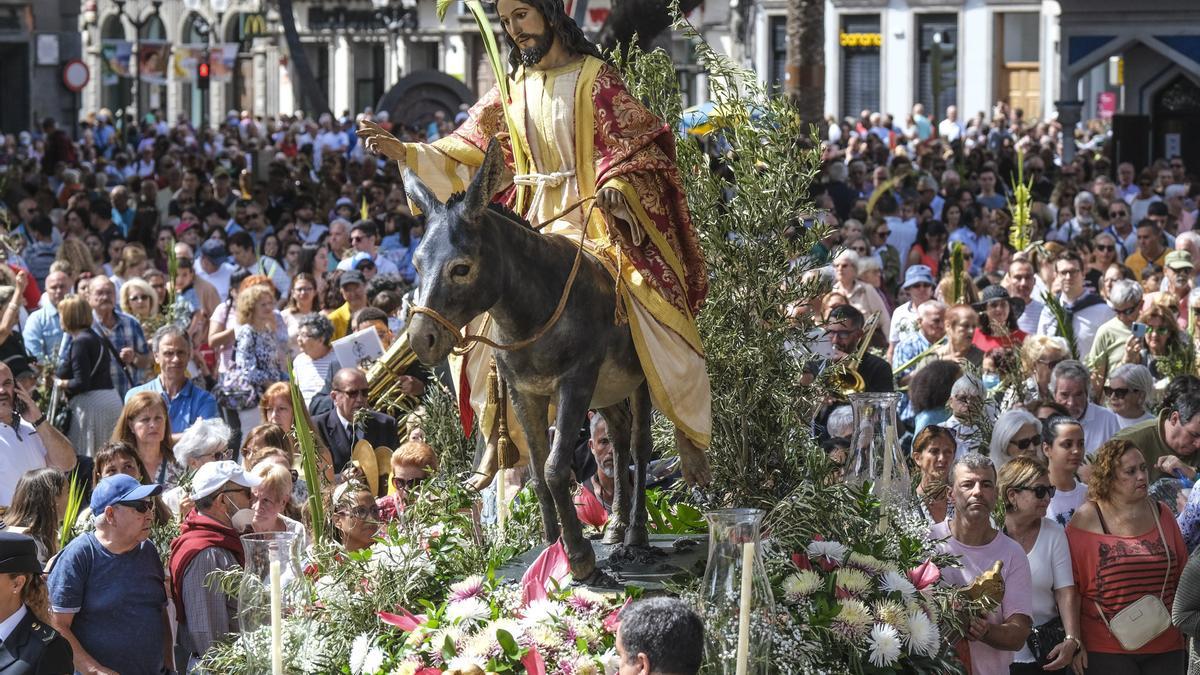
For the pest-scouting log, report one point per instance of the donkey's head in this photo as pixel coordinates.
(457, 275)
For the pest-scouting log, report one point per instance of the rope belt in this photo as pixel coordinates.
(539, 182)
(466, 341)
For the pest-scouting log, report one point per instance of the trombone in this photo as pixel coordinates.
(919, 357)
(845, 378)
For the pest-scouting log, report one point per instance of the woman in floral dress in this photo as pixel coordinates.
(258, 351)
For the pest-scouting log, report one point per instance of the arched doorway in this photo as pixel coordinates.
(1176, 109)
(195, 100)
(152, 96)
(115, 91)
(416, 98)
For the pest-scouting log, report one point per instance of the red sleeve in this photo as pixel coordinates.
(32, 295)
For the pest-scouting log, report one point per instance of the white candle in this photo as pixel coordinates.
(743, 646)
(500, 500)
(276, 621)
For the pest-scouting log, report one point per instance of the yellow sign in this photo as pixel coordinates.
(253, 25)
(861, 39)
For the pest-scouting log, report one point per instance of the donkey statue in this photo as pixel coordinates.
(478, 257)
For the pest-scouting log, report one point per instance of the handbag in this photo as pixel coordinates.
(1147, 617)
(1044, 638)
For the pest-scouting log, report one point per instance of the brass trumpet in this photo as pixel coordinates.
(845, 378)
(383, 377)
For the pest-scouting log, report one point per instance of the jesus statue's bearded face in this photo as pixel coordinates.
(527, 28)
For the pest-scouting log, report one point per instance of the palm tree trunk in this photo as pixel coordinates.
(304, 86)
(805, 82)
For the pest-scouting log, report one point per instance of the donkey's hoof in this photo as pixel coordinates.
(640, 555)
(614, 534)
(598, 578)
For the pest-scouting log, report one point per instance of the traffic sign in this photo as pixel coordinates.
(76, 75)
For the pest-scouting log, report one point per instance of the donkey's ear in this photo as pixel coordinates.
(420, 195)
(487, 182)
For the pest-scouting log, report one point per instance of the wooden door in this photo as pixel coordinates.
(1021, 87)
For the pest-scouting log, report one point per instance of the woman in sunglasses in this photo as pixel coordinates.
(1062, 445)
(1103, 254)
(1016, 433)
(1129, 389)
(412, 464)
(1165, 349)
(355, 516)
(1025, 493)
(272, 500)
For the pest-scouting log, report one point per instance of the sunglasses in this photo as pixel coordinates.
(1024, 443)
(184, 262)
(141, 505)
(1132, 309)
(1039, 491)
(1117, 392)
(406, 483)
(363, 512)
(245, 492)
(1103, 247)
(884, 233)
(1117, 214)
(139, 298)
(352, 393)
(1050, 364)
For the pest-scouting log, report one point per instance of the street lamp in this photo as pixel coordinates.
(138, 25)
(206, 30)
(396, 17)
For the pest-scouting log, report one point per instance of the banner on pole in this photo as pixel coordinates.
(154, 56)
(222, 61)
(115, 55)
(185, 59)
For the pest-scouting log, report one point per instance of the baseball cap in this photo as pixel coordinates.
(120, 488)
(210, 477)
(1179, 260)
(214, 251)
(918, 274)
(184, 226)
(350, 277)
(361, 258)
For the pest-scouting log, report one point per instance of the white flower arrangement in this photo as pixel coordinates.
(884, 644)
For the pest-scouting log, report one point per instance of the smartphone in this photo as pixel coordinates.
(1139, 329)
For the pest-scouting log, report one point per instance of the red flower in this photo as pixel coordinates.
(614, 619)
(533, 662)
(589, 509)
(801, 561)
(405, 620)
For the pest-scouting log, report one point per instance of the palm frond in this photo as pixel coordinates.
(308, 460)
(1022, 225)
(1065, 328)
(66, 532)
(956, 272)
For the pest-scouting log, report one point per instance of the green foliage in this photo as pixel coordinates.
(308, 461)
(667, 516)
(746, 187)
(75, 488)
(1066, 328)
(957, 272)
(1022, 225)
(443, 431)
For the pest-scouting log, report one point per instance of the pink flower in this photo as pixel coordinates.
(614, 619)
(925, 575)
(405, 620)
(801, 561)
(552, 564)
(533, 662)
(589, 509)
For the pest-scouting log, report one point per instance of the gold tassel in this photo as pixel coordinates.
(506, 451)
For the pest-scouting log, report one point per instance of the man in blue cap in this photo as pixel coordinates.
(107, 590)
(27, 644)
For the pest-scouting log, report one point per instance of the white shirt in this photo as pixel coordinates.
(1085, 322)
(219, 279)
(1028, 321)
(312, 374)
(1050, 569)
(904, 323)
(10, 624)
(20, 450)
(1064, 503)
(950, 130)
(382, 265)
(1130, 421)
(1099, 425)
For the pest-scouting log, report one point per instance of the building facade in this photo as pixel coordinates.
(37, 38)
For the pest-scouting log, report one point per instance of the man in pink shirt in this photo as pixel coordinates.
(969, 534)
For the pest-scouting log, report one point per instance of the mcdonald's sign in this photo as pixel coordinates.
(252, 25)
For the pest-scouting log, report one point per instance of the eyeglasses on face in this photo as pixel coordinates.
(1039, 491)
(1024, 443)
(1106, 247)
(1051, 363)
(354, 393)
(406, 483)
(245, 492)
(1126, 311)
(1117, 392)
(139, 505)
(139, 298)
(362, 512)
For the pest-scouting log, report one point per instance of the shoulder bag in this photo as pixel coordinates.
(1147, 617)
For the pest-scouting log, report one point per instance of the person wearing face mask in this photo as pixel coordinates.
(209, 541)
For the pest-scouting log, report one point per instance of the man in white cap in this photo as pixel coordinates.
(209, 541)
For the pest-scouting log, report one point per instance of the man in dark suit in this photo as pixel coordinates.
(337, 425)
(27, 645)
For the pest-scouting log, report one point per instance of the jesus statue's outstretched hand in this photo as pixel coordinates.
(379, 141)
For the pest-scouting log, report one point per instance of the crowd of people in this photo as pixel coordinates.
(1038, 317)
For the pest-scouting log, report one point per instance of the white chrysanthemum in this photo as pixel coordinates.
(610, 661)
(479, 645)
(373, 661)
(438, 640)
(830, 549)
(894, 582)
(466, 663)
(511, 626)
(470, 587)
(892, 613)
(853, 581)
(543, 611)
(358, 653)
(584, 600)
(923, 634)
(884, 644)
(801, 584)
(545, 635)
(852, 620)
(867, 562)
(470, 610)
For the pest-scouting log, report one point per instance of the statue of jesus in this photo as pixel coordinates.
(572, 131)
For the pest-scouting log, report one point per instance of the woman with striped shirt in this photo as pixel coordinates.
(1123, 547)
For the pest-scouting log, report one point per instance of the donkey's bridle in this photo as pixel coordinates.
(464, 342)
